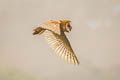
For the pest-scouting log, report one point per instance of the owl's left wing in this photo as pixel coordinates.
(61, 45)
(52, 26)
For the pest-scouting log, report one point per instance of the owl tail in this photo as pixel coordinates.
(38, 30)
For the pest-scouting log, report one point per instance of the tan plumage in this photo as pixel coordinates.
(53, 31)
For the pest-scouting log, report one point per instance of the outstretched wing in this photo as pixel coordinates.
(52, 26)
(61, 45)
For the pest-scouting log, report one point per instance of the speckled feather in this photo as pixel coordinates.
(52, 25)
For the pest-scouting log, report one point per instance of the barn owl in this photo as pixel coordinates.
(53, 31)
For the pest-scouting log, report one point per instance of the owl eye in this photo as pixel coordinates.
(68, 27)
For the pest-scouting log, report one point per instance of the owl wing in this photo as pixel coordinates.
(52, 26)
(61, 45)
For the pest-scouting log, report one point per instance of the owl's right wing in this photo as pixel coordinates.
(61, 45)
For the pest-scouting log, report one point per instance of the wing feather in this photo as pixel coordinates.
(61, 45)
(52, 26)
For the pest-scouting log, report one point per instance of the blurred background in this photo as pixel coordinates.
(95, 39)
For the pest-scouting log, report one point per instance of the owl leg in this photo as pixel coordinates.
(38, 30)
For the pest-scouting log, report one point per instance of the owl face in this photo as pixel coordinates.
(66, 25)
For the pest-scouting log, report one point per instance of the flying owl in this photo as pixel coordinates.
(53, 31)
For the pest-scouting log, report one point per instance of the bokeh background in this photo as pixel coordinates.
(95, 39)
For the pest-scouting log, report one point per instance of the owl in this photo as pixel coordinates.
(54, 33)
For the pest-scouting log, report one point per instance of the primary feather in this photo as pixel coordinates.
(61, 45)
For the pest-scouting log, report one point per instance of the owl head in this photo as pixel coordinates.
(66, 25)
